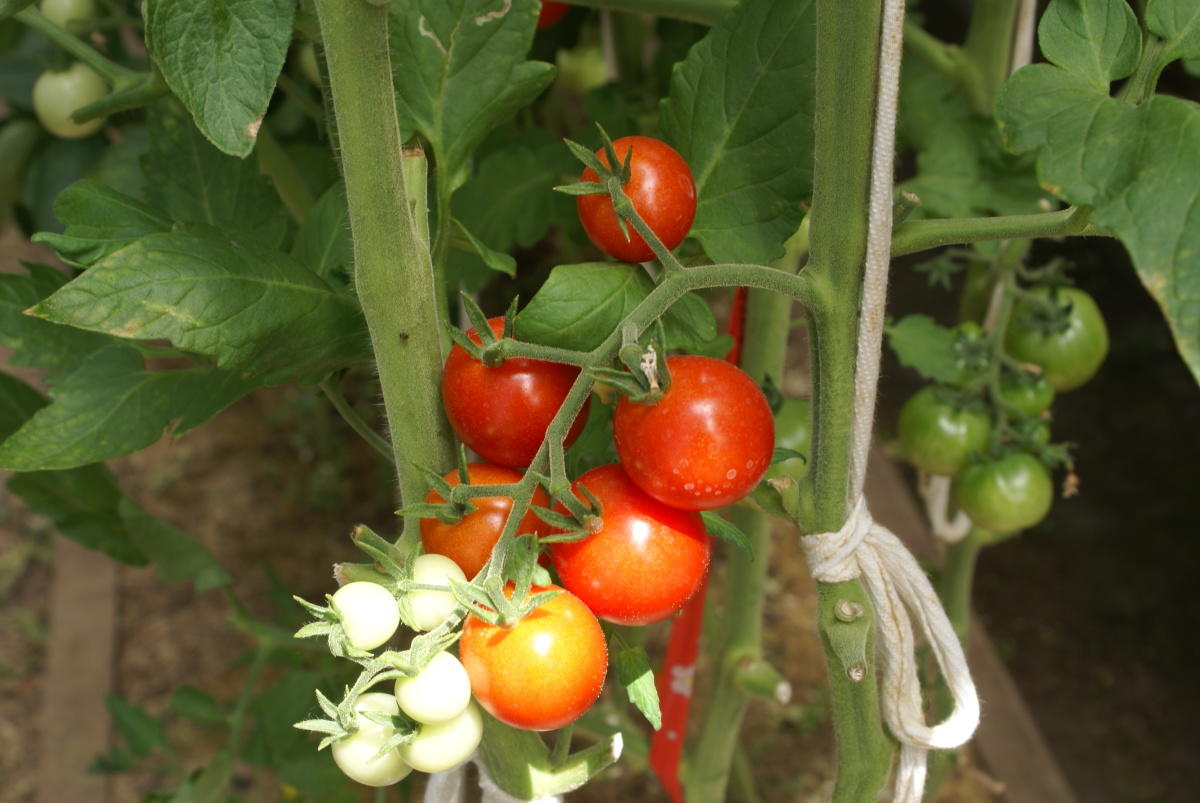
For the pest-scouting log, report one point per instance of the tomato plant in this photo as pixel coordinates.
(661, 190)
(705, 443)
(469, 541)
(937, 435)
(551, 13)
(542, 673)
(65, 12)
(1069, 344)
(438, 693)
(430, 608)
(793, 430)
(1006, 495)
(368, 612)
(1029, 394)
(502, 412)
(643, 564)
(441, 746)
(56, 95)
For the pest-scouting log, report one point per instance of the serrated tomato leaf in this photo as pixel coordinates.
(255, 310)
(221, 58)
(741, 114)
(1178, 22)
(1097, 40)
(99, 220)
(111, 405)
(726, 531)
(460, 69)
(36, 342)
(925, 346)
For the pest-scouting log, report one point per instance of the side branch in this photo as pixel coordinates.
(922, 235)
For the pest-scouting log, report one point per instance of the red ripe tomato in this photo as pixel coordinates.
(705, 443)
(502, 412)
(551, 13)
(542, 673)
(662, 191)
(469, 541)
(618, 572)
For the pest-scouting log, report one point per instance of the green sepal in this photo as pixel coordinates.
(720, 528)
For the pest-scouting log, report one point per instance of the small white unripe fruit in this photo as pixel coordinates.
(369, 613)
(438, 748)
(355, 755)
(438, 693)
(429, 608)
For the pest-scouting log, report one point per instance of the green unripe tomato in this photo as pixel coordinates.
(938, 437)
(793, 430)
(357, 754)
(1006, 495)
(443, 746)
(582, 69)
(1031, 394)
(63, 12)
(57, 94)
(971, 348)
(1070, 355)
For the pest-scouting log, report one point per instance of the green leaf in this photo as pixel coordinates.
(1178, 22)
(178, 556)
(1096, 40)
(926, 346)
(10, 7)
(56, 165)
(141, 732)
(496, 260)
(721, 528)
(83, 504)
(198, 706)
(636, 676)
(1137, 167)
(34, 341)
(111, 406)
(193, 182)
(221, 58)
(323, 243)
(18, 402)
(252, 309)
(289, 699)
(508, 201)
(460, 69)
(209, 784)
(580, 305)
(963, 169)
(99, 221)
(742, 117)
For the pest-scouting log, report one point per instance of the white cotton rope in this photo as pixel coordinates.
(862, 548)
(935, 490)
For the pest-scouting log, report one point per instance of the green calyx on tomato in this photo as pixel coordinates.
(1062, 331)
(662, 192)
(1028, 393)
(973, 351)
(1006, 495)
(705, 443)
(502, 412)
(793, 431)
(57, 95)
(938, 435)
(618, 570)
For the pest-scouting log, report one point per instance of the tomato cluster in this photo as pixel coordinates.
(990, 429)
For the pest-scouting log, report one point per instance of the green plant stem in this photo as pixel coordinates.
(393, 272)
(922, 235)
(847, 62)
(275, 164)
(743, 778)
(988, 50)
(946, 58)
(299, 94)
(739, 639)
(114, 73)
(1142, 83)
(703, 11)
(350, 416)
(238, 717)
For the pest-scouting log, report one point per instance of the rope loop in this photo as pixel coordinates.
(935, 490)
(903, 598)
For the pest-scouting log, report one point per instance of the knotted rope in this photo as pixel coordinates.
(897, 586)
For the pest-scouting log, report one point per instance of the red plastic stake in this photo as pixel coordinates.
(674, 682)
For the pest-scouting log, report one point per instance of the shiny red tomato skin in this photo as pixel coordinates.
(469, 541)
(544, 672)
(551, 13)
(662, 191)
(705, 444)
(647, 560)
(502, 413)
